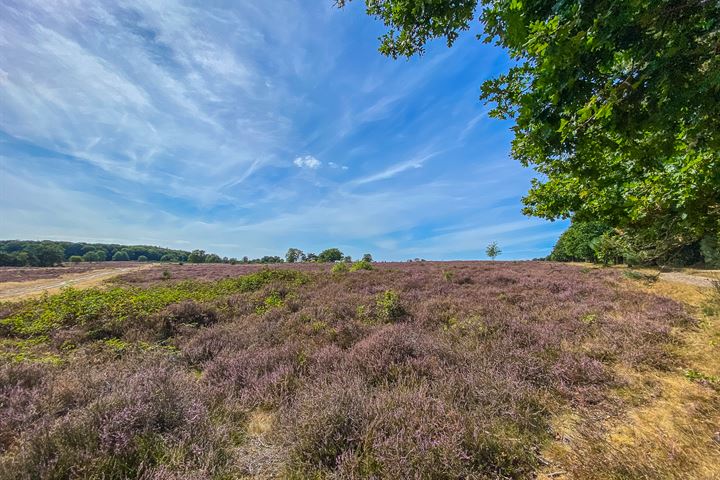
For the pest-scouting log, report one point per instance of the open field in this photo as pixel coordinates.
(411, 370)
(29, 283)
(26, 274)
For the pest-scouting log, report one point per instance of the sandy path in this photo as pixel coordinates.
(20, 290)
(697, 280)
(687, 276)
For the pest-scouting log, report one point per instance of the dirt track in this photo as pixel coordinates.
(18, 290)
(697, 280)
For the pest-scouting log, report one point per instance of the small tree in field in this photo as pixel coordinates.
(493, 250)
(76, 259)
(294, 255)
(330, 255)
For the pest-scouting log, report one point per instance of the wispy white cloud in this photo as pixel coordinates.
(471, 124)
(307, 161)
(393, 170)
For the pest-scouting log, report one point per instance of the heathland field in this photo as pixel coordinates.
(399, 370)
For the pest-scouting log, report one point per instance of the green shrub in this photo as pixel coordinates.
(609, 248)
(274, 300)
(76, 259)
(389, 308)
(361, 265)
(340, 268)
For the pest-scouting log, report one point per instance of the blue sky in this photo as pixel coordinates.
(247, 127)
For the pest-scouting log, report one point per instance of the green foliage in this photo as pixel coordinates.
(710, 248)
(120, 304)
(609, 248)
(330, 255)
(341, 267)
(197, 256)
(268, 259)
(95, 256)
(389, 307)
(121, 256)
(412, 23)
(274, 300)
(576, 243)
(16, 253)
(75, 259)
(47, 254)
(616, 104)
(361, 265)
(293, 255)
(21, 252)
(13, 259)
(695, 376)
(493, 250)
(367, 258)
(213, 258)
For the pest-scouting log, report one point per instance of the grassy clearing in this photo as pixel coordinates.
(452, 370)
(667, 424)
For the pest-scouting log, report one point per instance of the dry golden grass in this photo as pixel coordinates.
(666, 424)
(260, 422)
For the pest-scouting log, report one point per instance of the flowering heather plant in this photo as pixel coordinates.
(393, 372)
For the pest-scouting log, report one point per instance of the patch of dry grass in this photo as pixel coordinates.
(666, 424)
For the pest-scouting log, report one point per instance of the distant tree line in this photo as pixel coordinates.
(330, 255)
(47, 253)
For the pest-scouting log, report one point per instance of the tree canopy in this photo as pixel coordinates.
(578, 243)
(330, 255)
(293, 255)
(121, 256)
(23, 252)
(616, 104)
